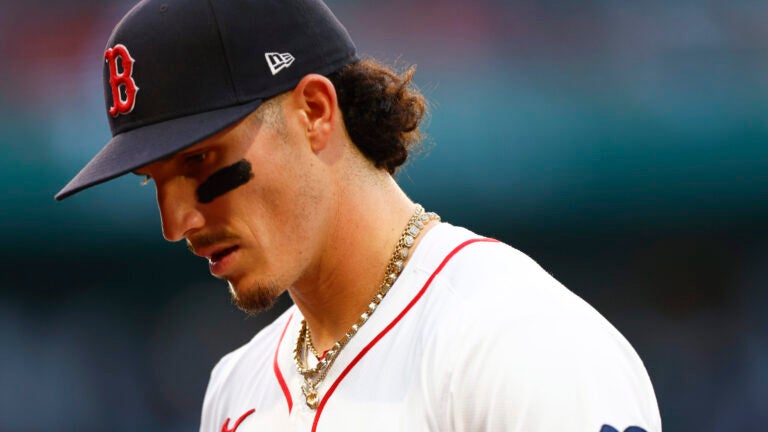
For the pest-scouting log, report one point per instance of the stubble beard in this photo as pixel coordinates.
(255, 299)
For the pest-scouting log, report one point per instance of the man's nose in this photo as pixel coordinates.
(179, 212)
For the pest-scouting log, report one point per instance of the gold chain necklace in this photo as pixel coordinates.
(303, 349)
(312, 349)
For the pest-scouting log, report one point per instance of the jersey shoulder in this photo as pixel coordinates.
(515, 340)
(492, 276)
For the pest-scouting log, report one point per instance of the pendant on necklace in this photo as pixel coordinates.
(310, 395)
(312, 399)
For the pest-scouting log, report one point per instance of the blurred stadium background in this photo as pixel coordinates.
(623, 145)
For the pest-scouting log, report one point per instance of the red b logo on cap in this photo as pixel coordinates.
(121, 78)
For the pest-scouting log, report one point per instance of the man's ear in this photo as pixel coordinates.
(315, 99)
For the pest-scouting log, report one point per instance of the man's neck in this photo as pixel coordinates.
(351, 268)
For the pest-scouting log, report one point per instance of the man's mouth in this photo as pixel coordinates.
(221, 254)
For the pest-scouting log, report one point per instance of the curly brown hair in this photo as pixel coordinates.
(382, 111)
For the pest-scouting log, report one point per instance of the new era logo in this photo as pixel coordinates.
(278, 61)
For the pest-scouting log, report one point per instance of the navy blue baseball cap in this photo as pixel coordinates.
(179, 71)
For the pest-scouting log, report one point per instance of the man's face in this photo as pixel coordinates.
(261, 232)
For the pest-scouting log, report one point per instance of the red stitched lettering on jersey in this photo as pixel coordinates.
(225, 426)
(121, 78)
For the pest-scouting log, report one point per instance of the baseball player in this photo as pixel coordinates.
(272, 147)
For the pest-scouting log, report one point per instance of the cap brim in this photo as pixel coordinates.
(135, 148)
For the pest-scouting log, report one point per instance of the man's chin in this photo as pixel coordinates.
(254, 299)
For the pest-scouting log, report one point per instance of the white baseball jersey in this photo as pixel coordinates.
(474, 336)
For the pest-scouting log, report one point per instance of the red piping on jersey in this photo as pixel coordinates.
(279, 374)
(394, 322)
(225, 426)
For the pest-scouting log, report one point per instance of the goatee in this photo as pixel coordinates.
(256, 299)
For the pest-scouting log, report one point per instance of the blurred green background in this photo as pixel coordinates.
(620, 144)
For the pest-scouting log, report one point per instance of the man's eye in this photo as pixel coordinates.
(145, 181)
(196, 158)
